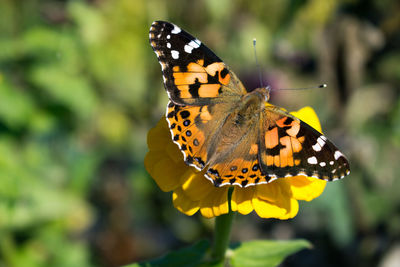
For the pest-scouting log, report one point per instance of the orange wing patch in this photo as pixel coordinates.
(196, 80)
(181, 78)
(271, 138)
(223, 75)
(205, 115)
(253, 149)
(209, 90)
(281, 143)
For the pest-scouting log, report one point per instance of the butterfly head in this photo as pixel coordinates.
(263, 93)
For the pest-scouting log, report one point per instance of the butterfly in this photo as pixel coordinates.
(234, 135)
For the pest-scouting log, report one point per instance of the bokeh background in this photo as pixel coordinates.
(80, 87)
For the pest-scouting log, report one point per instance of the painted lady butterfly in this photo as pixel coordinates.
(236, 135)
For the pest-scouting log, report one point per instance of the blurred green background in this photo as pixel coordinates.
(80, 87)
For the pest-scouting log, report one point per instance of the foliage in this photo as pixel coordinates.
(256, 253)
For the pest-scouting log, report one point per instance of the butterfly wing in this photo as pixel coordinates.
(291, 147)
(197, 130)
(193, 74)
(201, 88)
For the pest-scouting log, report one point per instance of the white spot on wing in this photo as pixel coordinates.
(312, 160)
(321, 141)
(317, 147)
(169, 45)
(322, 164)
(176, 30)
(192, 45)
(338, 154)
(331, 162)
(174, 54)
(195, 43)
(188, 49)
(168, 36)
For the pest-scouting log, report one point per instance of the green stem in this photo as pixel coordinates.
(223, 225)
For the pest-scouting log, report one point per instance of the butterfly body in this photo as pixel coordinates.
(234, 135)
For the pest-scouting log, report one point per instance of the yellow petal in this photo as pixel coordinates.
(183, 203)
(222, 206)
(196, 186)
(159, 136)
(152, 157)
(242, 199)
(215, 203)
(265, 209)
(294, 209)
(173, 152)
(276, 191)
(167, 174)
(305, 188)
(308, 115)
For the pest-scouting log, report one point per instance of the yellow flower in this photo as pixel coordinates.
(193, 192)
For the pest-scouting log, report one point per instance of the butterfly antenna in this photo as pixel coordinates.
(258, 66)
(303, 88)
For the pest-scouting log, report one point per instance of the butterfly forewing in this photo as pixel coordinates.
(193, 74)
(290, 147)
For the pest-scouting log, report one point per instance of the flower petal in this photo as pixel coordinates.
(308, 115)
(175, 154)
(215, 203)
(242, 199)
(183, 203)
(275, 191)
(167, 174)
(159, 136)
(152, 157)
(305, 188)
(196, 185)
(265, 209)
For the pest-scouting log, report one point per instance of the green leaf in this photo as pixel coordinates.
(265, 253)
(190, 256)
(16, 106)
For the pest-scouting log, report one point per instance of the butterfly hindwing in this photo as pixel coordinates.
(195, 129)
(240, 166)
(193, 74)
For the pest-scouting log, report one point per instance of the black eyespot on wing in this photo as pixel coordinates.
(184, 114)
